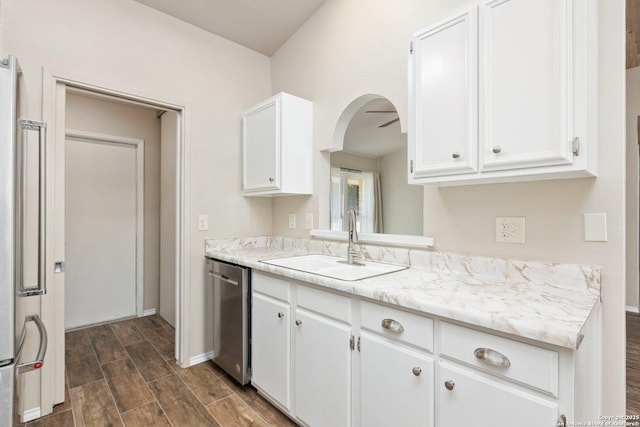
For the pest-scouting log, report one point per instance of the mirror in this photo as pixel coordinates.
(370, 175)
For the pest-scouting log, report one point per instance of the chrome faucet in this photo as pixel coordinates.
(353, 238)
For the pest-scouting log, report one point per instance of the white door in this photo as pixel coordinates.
(322, 370)
(443, 121)
(261, 147)
(101, 226)
(270, 360)
(396, 384)
(525, 68)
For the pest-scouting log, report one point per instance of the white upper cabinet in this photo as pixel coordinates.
(525, 108)
(530, 115)
(444, 102)
(277, 147)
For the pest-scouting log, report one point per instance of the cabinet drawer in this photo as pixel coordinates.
(471, 399)
(271, 286)
(398, 325)
(325, 303)
(528, 364)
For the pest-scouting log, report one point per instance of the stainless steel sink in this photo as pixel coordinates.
(334, 267)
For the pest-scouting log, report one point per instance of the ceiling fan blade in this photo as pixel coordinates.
(377, 111)
(384, 125)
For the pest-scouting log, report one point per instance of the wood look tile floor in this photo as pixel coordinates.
(633, 364)
(124, 374)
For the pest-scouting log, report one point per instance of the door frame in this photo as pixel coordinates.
(54, 87)
(138, 144)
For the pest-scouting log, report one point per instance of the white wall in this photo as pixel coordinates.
(118, 119)
(401, 203)
(168, 217)
(340, 159)
(124, 45)
(352, 47)
(632, 195)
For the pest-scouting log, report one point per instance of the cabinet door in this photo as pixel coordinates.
(322, 370)
(396, 385)
(475, 400)
(270, 348)
(443, 98)
(525, 84)
(261, 147)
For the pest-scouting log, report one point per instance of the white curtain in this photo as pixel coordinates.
(377, 204)
(366, 214)
(336, 202)
(367, 199)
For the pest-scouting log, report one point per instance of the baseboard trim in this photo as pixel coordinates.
(149, 312)
(30, 415)
(200, 358)
(632, 309)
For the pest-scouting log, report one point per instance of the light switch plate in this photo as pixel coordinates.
(308, 221)
(292, 220)
(595, 227)
(203, 222)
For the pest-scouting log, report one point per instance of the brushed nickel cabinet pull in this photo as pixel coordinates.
(455, 155)
(492, 357)
(449, 385)
(496, 149)
(298, 322)
(392, 325)
(417, 371)
(281, 315)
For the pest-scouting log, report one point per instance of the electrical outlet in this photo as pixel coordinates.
(308, 221)
(510, 229)
(203, 222)
(292, 220)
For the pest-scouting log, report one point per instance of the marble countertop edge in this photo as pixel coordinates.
(534, 305)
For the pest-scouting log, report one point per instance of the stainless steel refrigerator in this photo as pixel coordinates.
(21, 141)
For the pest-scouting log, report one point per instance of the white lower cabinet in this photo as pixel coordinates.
(468, 398)
(322, 372)
(331, 359)
(301, 353)
(396, 384)
(270, 348)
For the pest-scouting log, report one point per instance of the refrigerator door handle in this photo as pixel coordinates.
(40, 288)
(42, 349)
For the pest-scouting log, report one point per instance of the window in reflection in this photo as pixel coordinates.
(359, 190)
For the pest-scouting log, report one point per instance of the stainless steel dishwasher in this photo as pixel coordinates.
(231, 317)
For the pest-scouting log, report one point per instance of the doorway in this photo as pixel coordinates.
(119, 216)
(53, 305)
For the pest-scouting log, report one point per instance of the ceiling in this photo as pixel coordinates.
(261, 25)
(364, 137)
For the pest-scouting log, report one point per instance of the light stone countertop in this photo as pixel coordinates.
(546, 302)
